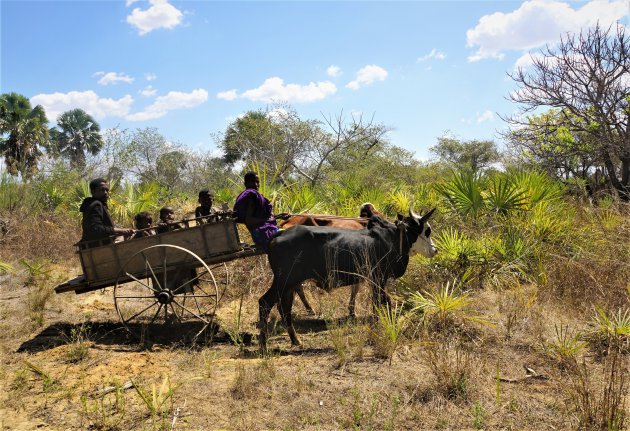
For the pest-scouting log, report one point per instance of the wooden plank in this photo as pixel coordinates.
(206, 240)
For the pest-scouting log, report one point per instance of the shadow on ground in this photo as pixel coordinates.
(184, 335)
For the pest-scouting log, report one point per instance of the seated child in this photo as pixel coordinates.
(205, 211)
(143, 223)
(166, 223)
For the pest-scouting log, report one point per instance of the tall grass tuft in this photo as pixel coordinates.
(445, 308)
(599, 400)
(609, 330)
(106, 411)
(158, 401)
(565, 347)
(388, 331)
(452, 368)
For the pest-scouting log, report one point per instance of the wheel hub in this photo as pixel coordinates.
(164, 297)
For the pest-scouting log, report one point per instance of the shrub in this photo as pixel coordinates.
(445, 308)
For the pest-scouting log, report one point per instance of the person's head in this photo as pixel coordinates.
(367, 210)
(251, 180)
(99, 189)
(143, 220)
(206, 198)
(167, 214)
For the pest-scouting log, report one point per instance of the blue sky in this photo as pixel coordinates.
(189, 68)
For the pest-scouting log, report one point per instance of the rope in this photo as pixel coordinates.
(325, 216)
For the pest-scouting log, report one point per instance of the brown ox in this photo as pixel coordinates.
(366, 211)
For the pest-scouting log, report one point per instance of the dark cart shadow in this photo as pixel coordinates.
(182, 336)
(116, 335)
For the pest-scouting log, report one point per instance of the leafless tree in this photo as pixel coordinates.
(341, 137)
(587, 78)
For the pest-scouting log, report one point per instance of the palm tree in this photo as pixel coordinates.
(77, 134)
(26, 129)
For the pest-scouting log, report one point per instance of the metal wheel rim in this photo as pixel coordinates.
(163, 298)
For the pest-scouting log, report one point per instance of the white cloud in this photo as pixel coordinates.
(333, 71)
(89, 101)
(367, 75)
(161, 14)
(434, 54)
(485, 116)
(227, 95)
(113, 78)
(150, 76)
(275, 90)
(536, 23)
(278, 114)
(173, 100)
(148, 91)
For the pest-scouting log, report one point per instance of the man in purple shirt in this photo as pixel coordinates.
(255, 211)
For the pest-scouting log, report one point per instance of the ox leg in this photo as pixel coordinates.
(285, 306)
(380, 297)
(354, 289)
(300, 291)
(265, 304)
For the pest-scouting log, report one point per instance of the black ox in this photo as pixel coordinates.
(339, 257)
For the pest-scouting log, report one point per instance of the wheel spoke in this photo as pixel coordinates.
(187, 282)
(187, 310)
(135, 297)
(155, 315)
(140, 312)
(197, 304)
(146, 261)
(139, 281)
(174, 313)
(164, 271)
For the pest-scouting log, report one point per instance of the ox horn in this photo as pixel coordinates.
(425, 217)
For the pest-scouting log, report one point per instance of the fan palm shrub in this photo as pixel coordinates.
(128, 200)
(463, 194)
(398, 202)
(300, 198)
(459, 255)
(536, 186)
(504, 196)
(511, 257)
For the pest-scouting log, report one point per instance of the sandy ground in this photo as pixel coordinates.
(337, 380)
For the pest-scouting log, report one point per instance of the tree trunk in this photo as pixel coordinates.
(624, 192)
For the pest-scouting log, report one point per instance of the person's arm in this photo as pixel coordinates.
(123, 231)
(97, 224)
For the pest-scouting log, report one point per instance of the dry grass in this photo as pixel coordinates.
(49, 236)
(339, 379)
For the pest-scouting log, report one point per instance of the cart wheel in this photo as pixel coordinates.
(166, 289)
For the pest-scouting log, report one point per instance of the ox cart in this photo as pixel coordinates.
(166, 279)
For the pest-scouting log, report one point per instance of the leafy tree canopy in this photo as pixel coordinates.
(76, 134)
(25, 129)
(474, 155)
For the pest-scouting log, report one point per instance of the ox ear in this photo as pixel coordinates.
(426, 217)
(400, 217)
